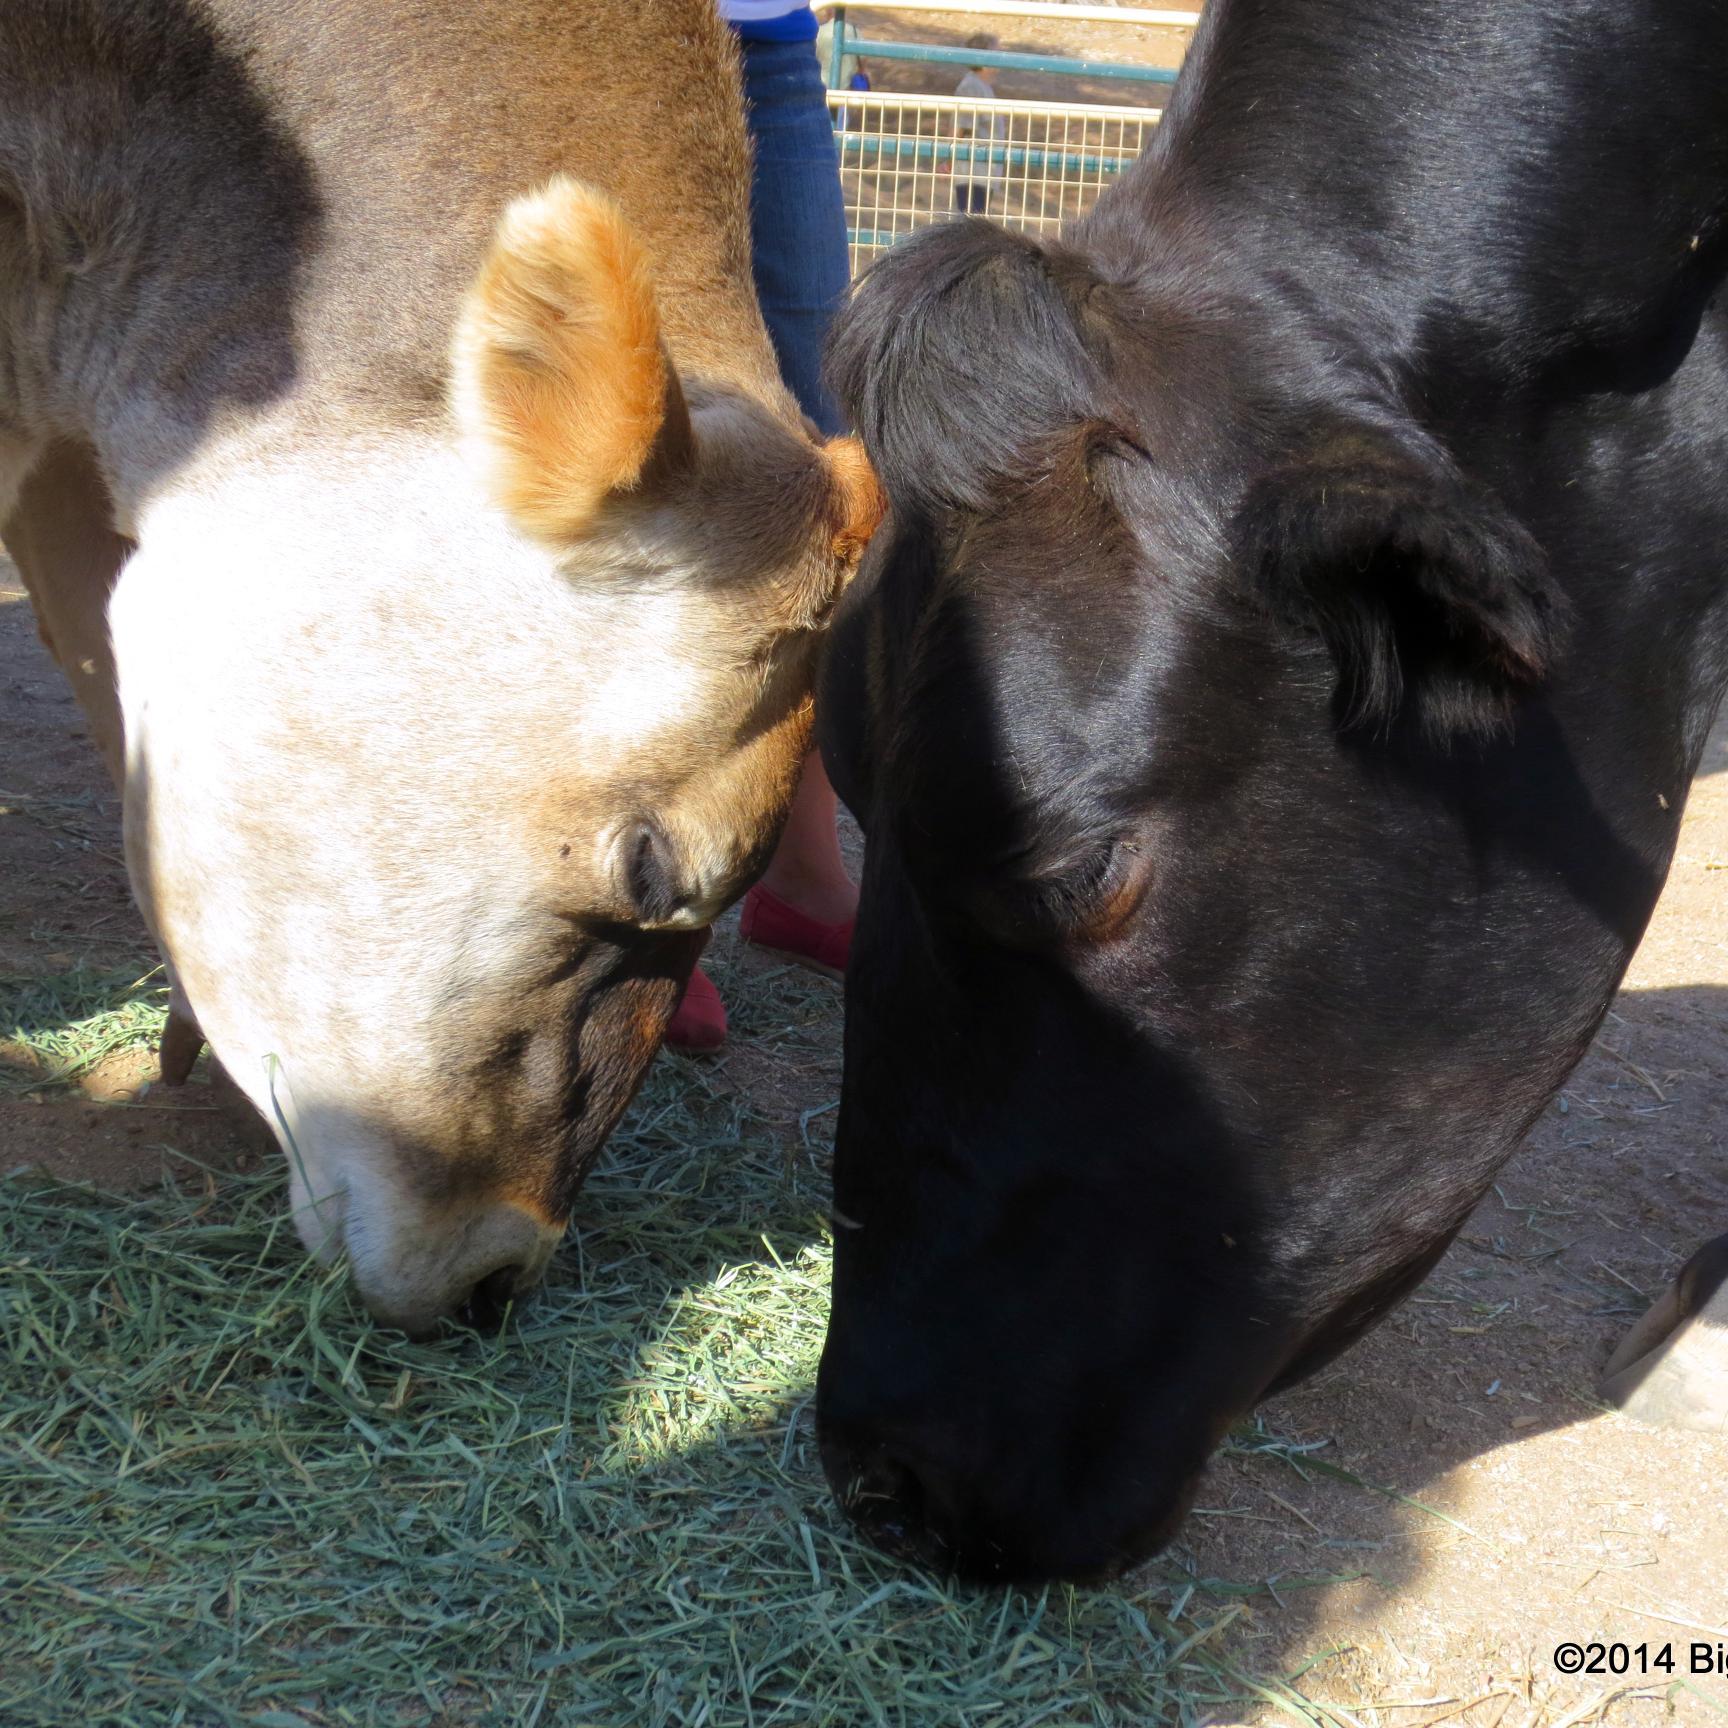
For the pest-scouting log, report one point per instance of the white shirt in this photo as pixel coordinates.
(991, 128)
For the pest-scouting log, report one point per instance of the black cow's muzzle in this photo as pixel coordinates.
(929, 1513)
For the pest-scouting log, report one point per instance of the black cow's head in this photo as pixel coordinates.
(1183, 702)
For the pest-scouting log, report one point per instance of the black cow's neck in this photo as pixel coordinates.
(1487, 195)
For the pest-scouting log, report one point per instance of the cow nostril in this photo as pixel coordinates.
(893, 1500)
(487, 1301)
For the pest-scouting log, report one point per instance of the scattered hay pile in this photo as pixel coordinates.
(225, 1497)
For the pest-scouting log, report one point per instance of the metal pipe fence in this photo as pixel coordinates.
(874, 48)
(846, 42)
(906, 161)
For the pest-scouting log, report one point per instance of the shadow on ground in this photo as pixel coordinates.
(1490, 1509)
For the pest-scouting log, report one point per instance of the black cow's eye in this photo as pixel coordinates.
(1088, 899)
(1078, 883)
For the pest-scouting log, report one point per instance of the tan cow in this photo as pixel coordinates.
(387, 386)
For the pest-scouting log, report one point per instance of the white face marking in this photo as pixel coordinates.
(344, 726)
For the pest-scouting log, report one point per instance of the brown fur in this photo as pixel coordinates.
(558, 359)
(859, 495)
(58, 536)
(640, 102)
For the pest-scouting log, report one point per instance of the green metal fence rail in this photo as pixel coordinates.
(872, 48)
(1027, 159)
(908, 159)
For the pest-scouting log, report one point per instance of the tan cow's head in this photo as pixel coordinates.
(443, 752)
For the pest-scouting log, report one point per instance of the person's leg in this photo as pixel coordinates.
(797, 216)
(807, 870)
(799, 258)
(802, 271)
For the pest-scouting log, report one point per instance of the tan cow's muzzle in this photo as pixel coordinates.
(498, 1254)
(415, 1266)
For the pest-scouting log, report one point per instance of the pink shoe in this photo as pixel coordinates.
(698, 1023)
(768, 922)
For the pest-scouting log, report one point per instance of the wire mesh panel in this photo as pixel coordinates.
(906, 161)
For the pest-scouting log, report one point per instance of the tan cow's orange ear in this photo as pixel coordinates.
(562, 385)
(859, 501)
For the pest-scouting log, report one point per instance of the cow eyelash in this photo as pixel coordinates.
(1038, 909)
(1080, 881)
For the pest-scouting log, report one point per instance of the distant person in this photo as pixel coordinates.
(851, 118)
(849, 62)
(972, 192)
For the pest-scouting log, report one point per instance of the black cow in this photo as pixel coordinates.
(1270, 706)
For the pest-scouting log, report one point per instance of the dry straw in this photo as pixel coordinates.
(227, 1498)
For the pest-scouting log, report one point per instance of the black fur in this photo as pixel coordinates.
(1431, 598)
(1270, 705)
(919, 363)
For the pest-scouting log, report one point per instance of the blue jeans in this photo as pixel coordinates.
(797, 216)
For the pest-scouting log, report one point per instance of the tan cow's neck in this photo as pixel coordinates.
(362, 168)
(640, 99)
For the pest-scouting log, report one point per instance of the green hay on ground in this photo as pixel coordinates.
(55, 1029)
(227, 1498)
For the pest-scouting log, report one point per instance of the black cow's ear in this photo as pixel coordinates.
(957, 351)
(1434, 601)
